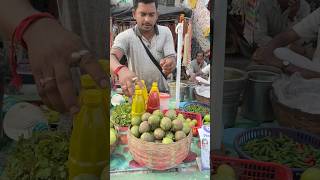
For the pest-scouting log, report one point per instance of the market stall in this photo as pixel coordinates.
(272, 123)
(177, 145)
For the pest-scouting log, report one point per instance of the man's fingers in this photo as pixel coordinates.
(50, 88)
(130, 87)
(66, 88)
(37, 76)
(92, 67)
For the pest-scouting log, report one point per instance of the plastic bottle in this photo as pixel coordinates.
(154, 98)
(89, 138)
(144, 91)
(138, 103)
(86, 83)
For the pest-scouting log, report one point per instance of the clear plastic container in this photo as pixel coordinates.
(164, 101)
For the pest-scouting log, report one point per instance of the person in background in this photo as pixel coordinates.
(272, 18)
(196, 65)
(53, 50)
(157, 39)
(207, 56)
(309, 27)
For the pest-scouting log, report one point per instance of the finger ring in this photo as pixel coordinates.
(134, 79)
(43, 81)
(79, 54)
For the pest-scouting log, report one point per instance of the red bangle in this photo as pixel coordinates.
(116, 71)
(17, 36)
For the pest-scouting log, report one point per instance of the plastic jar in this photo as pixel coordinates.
(164, 101)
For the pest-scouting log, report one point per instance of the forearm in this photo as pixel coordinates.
(283, 39)
(115, 57)
(12, 12)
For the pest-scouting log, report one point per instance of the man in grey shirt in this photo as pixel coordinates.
(158, 39)
(198, 63)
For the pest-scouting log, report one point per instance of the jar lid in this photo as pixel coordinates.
(164, 95)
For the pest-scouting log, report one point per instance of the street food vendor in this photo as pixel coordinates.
(135, 43)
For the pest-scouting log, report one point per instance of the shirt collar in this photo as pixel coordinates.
(138, 33)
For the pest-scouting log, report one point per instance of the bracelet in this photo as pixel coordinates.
(17, 36)
(116, 71)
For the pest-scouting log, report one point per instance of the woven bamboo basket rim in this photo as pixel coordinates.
(202, 99)
(295, 118)
(274, 99)
(152, 154)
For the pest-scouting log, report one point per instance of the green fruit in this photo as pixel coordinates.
(171, 114)
(136, 121)
(207, 118)
(179, 135)
(111, 124)
(158, 113)
(177, 125)
(144, 127)
(159, 133)
(154, 122)
(191, 124)
(145, 116)
(165, 123)
(135, 131)
(169, 135)
(167, 140)
(195, 122)
(114, 131)
(147, 137)
(180, 116)
(113, 138)
(311, 174)
(188, 120)
(225, 169)
(206, 123)
(186, 128)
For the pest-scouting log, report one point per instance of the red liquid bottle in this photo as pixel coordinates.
(154, 98)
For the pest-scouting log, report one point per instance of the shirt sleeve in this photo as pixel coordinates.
(121, 42)
(261, 36)
(309, 26)
(304, 10)
(206, 70)
(168, 48)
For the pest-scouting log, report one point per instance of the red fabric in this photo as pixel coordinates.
(17, 37)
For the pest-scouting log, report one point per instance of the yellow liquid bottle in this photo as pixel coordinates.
(144, 91)
(89, 140)
(138, 104)
(86, 83)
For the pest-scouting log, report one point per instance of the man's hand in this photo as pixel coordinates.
(265, 56)
(167, 65)
(127, 81)
(50, 47)
(294, 6)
